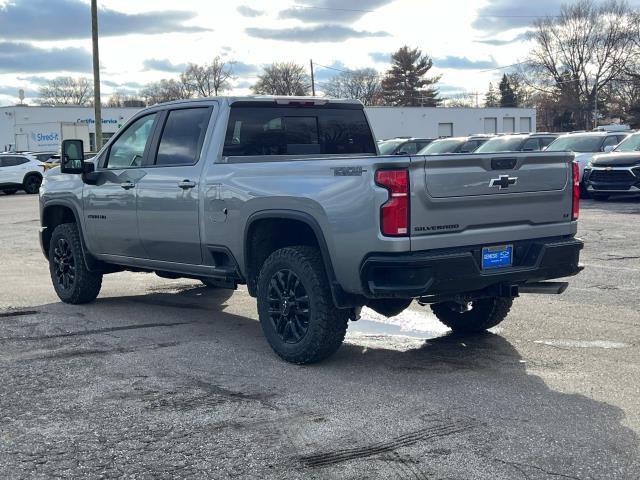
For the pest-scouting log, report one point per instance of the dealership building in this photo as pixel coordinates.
(387, 122)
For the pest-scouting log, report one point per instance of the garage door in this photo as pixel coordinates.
(508, 125)
(491, 125)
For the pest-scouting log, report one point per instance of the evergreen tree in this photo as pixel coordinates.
(406, 83)
(491, 97)
(507, 95)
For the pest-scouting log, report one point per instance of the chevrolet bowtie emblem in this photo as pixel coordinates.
(503, 181)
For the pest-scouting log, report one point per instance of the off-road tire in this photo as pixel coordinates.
(85, 285)
(326, 325)
(389, 307)
(31, 183)
(484, 314)
(10, 192)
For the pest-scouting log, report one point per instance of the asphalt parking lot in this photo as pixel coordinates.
(166, 379)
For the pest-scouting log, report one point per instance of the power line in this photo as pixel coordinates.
(333, 9)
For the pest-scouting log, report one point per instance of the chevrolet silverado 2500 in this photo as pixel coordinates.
(290, 197)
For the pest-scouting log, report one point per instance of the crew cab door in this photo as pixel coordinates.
(168, 193)
(110, 204)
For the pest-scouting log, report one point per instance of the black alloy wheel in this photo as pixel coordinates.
(288, 306)
(64, 265)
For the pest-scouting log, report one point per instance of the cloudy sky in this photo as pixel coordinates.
(146, 40)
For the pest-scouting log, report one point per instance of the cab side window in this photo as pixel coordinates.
(531, 145)
(128, 150)
(182, 136)
(546, 141)
(409, 148)
(13, 161)
(610, 142)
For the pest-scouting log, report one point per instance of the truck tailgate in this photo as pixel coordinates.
(471, 199)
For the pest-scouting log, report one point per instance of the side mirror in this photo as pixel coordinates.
(72, 158)
(608, 148)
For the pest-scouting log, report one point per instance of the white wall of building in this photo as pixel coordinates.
(21, 118)
(389, 122)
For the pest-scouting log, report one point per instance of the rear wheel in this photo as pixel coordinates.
(296, 308)
(476, 316)
(32, 184)
(73, 282)
(10, 192)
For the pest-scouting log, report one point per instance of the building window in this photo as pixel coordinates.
(445, 130)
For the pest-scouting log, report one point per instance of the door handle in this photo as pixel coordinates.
(186, 184)
(127, 185)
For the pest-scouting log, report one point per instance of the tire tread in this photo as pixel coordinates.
(330, 324)
(87, 284)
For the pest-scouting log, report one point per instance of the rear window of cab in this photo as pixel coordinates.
(265, 131)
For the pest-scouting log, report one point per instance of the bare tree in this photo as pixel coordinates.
(286, 78)
(460, 100)
(119, 99)
(66, 91)
(209, 79)
(363, 85)
(583, 50)
(165, 91)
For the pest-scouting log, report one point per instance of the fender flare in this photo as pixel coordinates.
(341, 299)
(291, 215)
(90, 261)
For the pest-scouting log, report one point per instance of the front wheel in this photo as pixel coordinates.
(473, 317)
(32, 184)
(73, 282)
(295, 306)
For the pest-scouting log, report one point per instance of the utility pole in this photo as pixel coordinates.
(313, 82)
(97, 102)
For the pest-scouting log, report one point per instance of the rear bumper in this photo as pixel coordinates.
(453, 271)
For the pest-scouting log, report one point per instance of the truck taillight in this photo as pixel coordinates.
(576, 191)
(394, 214)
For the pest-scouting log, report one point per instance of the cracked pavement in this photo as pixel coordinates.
(168, 379)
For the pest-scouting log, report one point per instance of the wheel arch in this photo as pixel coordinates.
(54, 214)
(269, 219)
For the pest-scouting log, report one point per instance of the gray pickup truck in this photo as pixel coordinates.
(290, 197)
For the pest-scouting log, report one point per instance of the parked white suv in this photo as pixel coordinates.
(20, 172)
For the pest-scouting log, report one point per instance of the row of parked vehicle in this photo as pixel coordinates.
(609, 161)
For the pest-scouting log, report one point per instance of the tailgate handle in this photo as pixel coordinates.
(503, 163)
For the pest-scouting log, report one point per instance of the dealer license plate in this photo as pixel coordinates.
(499, 256)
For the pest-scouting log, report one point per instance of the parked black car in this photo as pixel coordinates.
(454, 145)
(518, 142)
(403, 146)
